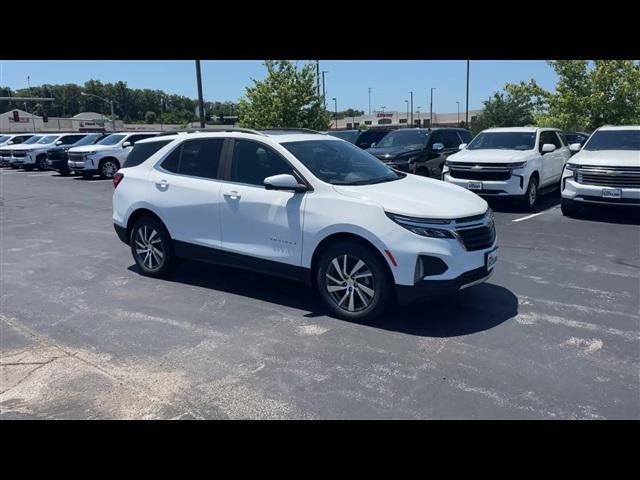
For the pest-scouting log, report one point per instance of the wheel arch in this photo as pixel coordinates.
(139, 213)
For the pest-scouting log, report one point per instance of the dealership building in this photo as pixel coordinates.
(401, 119)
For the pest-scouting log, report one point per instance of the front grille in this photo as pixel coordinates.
(76, 157)
(473, 275)
(5, 153)
(56, 155)
(18, 154)
(481, 175)
(622, 177)
(477, 238)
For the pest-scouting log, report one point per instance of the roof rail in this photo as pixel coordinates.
(291, 129)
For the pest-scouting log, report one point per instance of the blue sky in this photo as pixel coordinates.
(347, 80)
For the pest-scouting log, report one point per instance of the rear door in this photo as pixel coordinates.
(552, 162)
(260, 223)
(185, 189)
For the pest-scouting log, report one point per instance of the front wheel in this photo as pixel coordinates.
(569, 208)
(108, 169)
(531, 196)
(353, 282)
(151, 247)
(42, 163)
(28, 168)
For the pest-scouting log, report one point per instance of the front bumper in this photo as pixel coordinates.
(515, 186)
(429, 289)
(572, 190)
(86, 165)
(61, 165)
(19, 161)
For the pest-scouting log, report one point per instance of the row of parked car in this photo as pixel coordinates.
(519, 162)
(87, 154)
(309, 206)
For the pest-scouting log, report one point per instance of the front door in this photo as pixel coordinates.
(261, 223)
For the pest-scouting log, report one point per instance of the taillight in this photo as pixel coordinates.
(117, 178)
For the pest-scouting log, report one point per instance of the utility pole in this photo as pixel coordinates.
(369, 100)
(412, 124)
(407, 102)
(324, 98)
(466, 117)
(431, 109)
(33, 120)
(200, 101)
(318, 76)
(335, 101)
(458, 113)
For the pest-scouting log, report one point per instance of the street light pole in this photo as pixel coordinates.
(33, 120)
(407, 102)
(466, 117)
(110, 102)
(335, 101)
(412, 124)
(458, 113)
(318, 76)
(431, 109)
(324, 98)
(200, 101)
(369, 100)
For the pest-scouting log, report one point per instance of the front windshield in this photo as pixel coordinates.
(4, 138)
(48, 139)
(348, 136)
(614, 140)
(32, 140)
(341, 163)
(404, 138)
(88, 140)
(503, 141)
(111, 140)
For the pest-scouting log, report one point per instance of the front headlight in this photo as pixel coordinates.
(93, 152)
(571, 167)
(516, 165)
(421, 226)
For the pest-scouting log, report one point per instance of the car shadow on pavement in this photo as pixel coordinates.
(473, 310)
(620, 215)
(505, 205)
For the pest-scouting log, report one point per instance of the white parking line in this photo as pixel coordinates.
(529, 216)
(42, 174)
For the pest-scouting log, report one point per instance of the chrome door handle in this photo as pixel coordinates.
(162, 183)
(234, 195)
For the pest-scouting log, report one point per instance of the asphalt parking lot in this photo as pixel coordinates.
(554, 334)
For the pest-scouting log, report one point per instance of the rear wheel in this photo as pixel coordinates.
(353, 282)
(151, 247)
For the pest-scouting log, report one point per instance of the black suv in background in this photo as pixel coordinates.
(362, 138)
(422, 151)
(58, 157)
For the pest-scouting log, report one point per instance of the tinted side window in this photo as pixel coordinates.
(201, 158)
(142, 151)
(70, 139)
(549, 137)
(435, 137)
(172, 161)
(253, 162)
(451, 139)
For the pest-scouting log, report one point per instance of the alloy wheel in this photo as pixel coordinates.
(149, 248)
(350, 283)
(109, 169)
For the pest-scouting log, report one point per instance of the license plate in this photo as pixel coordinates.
(474, 185)
(611, 193)
(491, 258)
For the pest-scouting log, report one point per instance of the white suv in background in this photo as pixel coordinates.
(303, 206)
(605, 171)
(519, 162)
(34, 155)
(105, 157)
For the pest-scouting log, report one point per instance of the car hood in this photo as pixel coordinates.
(421, 197)
(33, 146)
(609, 158)
(389, 153)
(492, 156)
(92, 148)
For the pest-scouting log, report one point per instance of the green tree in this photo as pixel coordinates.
(287, 97)
(150, 117)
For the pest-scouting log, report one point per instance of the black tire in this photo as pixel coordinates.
(41, 162)
(161, 261)
(28, 168)
(108, 168)
(86, 175)
(357, 302)
(569, 208)
(531, 196)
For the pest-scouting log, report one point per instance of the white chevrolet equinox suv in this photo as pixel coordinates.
(303, 206)
(518, 162)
